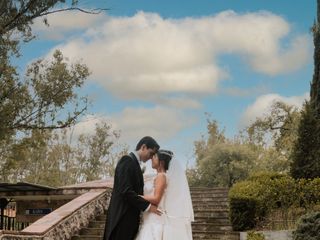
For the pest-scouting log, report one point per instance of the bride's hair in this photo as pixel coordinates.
(165, 156)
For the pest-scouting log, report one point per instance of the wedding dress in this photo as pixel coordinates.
(175, 222)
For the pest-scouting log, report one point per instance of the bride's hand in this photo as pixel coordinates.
(154, 209)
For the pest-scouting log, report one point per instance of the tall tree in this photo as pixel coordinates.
(305, 156)
(315, 85)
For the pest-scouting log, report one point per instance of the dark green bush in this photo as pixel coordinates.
(269, 191)
(309, 191)
(243, 213)
(308, 227)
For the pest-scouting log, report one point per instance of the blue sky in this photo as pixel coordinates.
(159, 66)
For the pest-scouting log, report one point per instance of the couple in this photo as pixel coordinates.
(165, 203)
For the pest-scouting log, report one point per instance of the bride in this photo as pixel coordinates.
(170, 192)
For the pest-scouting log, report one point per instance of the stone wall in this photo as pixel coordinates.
(271, 235)
(67, 220)
(22, 206)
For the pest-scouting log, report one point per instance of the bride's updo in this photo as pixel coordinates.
(165, 156)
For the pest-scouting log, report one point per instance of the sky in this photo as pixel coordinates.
(159, 68)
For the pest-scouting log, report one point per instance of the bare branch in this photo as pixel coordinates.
(93, 11)
(34, 126)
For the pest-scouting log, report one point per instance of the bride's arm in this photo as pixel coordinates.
(160, 185)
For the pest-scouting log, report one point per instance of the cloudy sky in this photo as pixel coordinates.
(159, 66)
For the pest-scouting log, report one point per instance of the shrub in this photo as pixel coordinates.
(243, 213)
(309, 191)
(267, 192)
(255, 236)
(308, 227)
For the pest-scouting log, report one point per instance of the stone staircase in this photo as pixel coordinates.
(211, 217)
(211, 213)
(94, 231)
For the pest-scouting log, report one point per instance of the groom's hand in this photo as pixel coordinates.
(154, 209)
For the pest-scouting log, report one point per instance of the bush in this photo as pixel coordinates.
(308, 227)
(309, 191)
(243, 213)
(255, 236)
(267, 192)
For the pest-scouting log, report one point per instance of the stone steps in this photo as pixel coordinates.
(211, 210)
(215, 235)
(198, 226)
(211, 217)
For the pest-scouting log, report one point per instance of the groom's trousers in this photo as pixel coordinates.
(126, 229)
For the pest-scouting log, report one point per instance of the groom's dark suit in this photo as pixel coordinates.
(123, 216)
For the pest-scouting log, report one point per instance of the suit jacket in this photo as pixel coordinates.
(125, 204)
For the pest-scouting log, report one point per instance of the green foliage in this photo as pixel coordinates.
(306, 153)
(305, 157)
(53, 158)
(243, 213)
(276, 133)
(308, 227)
(225, 164)
(265, 145)
(255, 236)
(281, 123)
(220, 162)
(32, 105)
(309, 191)
(33, 102)
(269, 191)
(95, 155)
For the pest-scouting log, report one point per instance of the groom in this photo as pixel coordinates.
(123, 216)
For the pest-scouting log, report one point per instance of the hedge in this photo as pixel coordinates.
(252, 199)
(308, 227)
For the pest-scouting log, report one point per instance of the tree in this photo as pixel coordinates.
(33, 102)
(226, 164)
(265, 145)
(45, 98)
(53, 157)
(315, 84)
(94, 154)
(306, 153)
(305, 156)
(220, 161)
(275, 133)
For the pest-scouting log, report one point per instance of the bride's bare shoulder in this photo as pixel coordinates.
(161, 177)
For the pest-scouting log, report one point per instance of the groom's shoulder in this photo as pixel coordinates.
(125, 159)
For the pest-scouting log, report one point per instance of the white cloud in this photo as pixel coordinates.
(263, 103)
(65, 23)
(162, 123)
(146, 56)
(179, 102)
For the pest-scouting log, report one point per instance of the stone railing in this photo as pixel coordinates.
(67, 220)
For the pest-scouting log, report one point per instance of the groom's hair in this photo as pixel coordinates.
(149, 142)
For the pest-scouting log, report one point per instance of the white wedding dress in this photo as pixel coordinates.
(166, 226)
